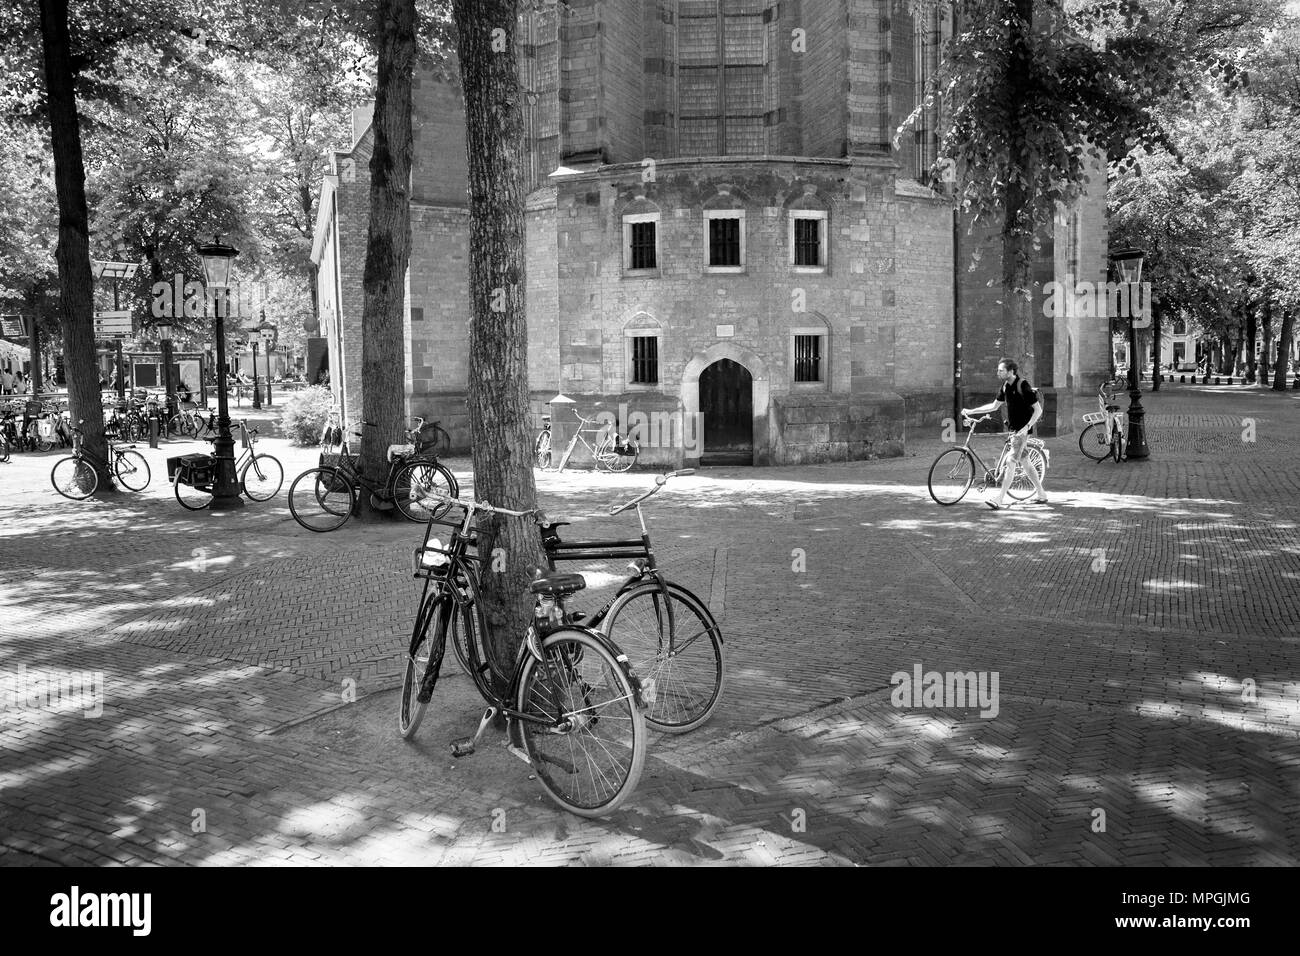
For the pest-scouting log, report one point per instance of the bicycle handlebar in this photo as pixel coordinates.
(425, 494)
(660, 481)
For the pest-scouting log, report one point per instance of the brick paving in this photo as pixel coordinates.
(1142, 626)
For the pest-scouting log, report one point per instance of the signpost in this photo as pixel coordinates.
(13, 326)
(116, 272)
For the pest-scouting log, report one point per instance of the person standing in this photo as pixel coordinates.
(1023, 411)
(20, 384)
(6, 381)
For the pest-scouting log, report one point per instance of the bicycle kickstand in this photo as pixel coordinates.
(466, 746)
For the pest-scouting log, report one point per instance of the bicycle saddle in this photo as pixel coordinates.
(557, 583)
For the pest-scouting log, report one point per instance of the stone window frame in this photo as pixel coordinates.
(628, 220)
(711, 214)
(642, 325)
(823, 240)
(824, 333)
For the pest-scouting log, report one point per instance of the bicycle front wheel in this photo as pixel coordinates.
(951, 476)
(613, 457)
(423, 661)
(321, 499)
(74, 478)
(262, 478)
(581, 726)
(542, 450)
(131, 470)
(1093, 443)
(426, 474)
(685, 661)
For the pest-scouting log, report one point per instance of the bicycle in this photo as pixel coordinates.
(669, 633)
(1106, 434)
(188, 421)
(953, 471)
(573, 706)
(323, 498)
(194, 476)
(76, 478)
(613, 453)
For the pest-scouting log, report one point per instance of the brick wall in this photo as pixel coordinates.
(622, 69)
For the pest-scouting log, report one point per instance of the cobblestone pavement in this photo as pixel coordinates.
(1142, 628)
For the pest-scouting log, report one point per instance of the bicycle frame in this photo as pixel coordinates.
(578, 436)
(992, 477)
(1114, 419)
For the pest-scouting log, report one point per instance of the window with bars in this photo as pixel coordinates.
(641, 242)
(808, 358)
(645, 360)
(726, 245)
(643, 246)
(723, 83)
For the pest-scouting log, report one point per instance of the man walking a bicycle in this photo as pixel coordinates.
(1023, 409)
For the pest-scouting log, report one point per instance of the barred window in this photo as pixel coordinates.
(643, 245)
(724, 241)
(645, 360)
(808, 358)
(807, 243)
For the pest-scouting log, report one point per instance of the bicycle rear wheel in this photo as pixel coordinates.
(74, 478)
(1022, 486)
(612, 456)
(192, 497)
(262, 478)
(582, 728)
(427, 474)
(131, 470)
(1093, 443)
(542, 450)
(951, 476)
(321, 499)
(686, 664)
(423, 661)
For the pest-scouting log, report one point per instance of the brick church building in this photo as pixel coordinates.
(720, 235)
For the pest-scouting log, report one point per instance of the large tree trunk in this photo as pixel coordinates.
(73, 250)
(498, 369)
(1156, 316)
(1017, 223)
(1283, 350)
(388, 248)
(1252, 326)
(1265, 333)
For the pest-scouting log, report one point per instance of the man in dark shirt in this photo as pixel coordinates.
(1023, 411)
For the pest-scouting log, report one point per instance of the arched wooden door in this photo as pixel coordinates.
(727, 405)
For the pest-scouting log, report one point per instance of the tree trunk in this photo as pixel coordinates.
(76, 300)
(1156, 316)
(1252, 326)
(498, 368)
(388, 249)
(1017, 222)
(1283, 350)
(1265, 332)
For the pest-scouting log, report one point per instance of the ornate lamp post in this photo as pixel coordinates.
(1128, 263)
(217, 261)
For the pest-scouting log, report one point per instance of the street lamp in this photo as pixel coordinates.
(217, 261)
(164, 328)
(1128, 264)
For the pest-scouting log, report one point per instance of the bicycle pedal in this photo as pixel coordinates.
(463, 748)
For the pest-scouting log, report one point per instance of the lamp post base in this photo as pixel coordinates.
(1137, 432)
(226, 492)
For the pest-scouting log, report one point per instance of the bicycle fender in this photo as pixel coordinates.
(614, 652)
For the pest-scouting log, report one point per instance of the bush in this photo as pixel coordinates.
(305, 413)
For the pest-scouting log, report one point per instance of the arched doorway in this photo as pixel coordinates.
(727, 407)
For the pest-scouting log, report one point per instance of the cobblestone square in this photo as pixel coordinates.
(1142, 628)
